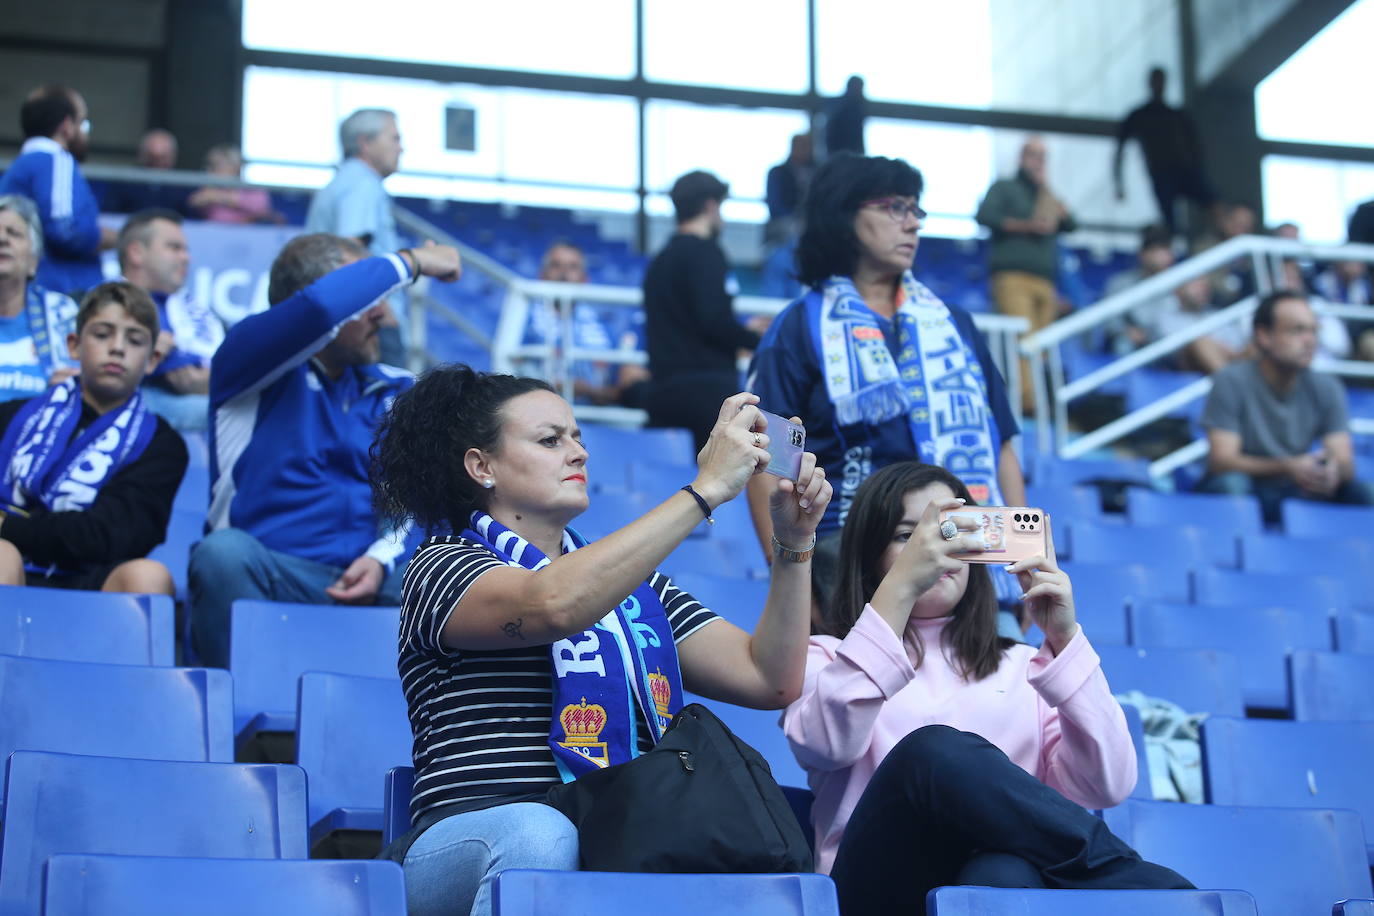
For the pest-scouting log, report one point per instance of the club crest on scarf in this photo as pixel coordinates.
(617, 676)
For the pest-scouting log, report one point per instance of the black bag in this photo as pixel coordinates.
(701, 801)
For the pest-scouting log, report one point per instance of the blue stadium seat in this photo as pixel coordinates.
(1276, 553)
(1234, 515)
(399, 784)
(524, 892)
(115, 710)
(1331, 686)
(664, 446)
(351, 731)
(739, 601)
(1353, 908)
(185, 527)
(1291, 860)
(1355, 632)
(66, 803)
(1103, 591)
(1305, 518)
(194, 492)
(1260, 639)
(1173, 548)
(1289, 764)
(1053, 471)
(1312, 594)
(720, 557)
(1142, 758)
(610, 510)
(1145, 386)
(73, 626)
(1199, 680)
(987, 901)
(761, 729)
(656, 480)
(1070, 505)
(272, 644)
(93, 885)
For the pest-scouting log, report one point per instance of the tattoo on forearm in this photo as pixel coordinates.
(512, 628)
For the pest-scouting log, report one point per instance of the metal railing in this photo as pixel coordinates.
(1265, 257)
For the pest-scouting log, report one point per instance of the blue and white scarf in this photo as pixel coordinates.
(44, 466)
(625, 660)
(51, 317)
(936, 380)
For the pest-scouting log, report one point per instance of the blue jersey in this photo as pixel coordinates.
(288, 444)
(33, 344)
(48, 175)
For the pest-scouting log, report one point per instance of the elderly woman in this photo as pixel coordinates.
(34, 322)
(939, 752)
(512, 625)
(878, 368)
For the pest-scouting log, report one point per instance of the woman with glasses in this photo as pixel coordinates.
(878, 368)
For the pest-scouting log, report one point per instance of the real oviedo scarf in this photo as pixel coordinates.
(612, 678)
(936, 379)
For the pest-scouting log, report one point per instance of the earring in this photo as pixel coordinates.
(488, 483)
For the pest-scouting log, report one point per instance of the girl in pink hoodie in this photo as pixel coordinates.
(939, 752)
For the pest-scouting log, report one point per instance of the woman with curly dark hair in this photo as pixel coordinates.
(529, 656)
(939, 751)
(878, 368)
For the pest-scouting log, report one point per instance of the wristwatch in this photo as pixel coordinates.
(783, 552)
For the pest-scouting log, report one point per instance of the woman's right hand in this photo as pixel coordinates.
(927, 556)
(735, 451)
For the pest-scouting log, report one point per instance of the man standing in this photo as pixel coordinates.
(1173, 154)
(1025, 217)
(56, 135)
(154, 256)
(1277, 429)
(355, 205)
(693, 337)
(844, 123)
(296, 393)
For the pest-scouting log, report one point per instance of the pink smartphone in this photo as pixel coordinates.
(1010, 533)
(786, 443)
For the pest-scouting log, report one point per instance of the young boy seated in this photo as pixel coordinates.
(87, 471)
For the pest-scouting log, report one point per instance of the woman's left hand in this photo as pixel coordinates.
(797, 506)
(1048, 594)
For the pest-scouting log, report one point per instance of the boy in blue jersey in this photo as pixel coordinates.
(56, 135)
(295, 395)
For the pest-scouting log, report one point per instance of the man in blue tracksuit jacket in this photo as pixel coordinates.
(53, 119)
(296, 393)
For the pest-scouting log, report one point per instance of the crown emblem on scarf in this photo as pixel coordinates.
(582, 723)
(662, 691)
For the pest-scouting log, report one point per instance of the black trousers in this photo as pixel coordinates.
(691, 400)
(947, 807)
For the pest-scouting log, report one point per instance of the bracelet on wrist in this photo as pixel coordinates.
(792, 554)
(414, 264)
(705, 508)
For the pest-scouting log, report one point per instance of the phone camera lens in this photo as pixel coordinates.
(1035, 518)
(1018, 516)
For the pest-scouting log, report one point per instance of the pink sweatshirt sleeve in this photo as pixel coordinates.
(1086, 749)
(831, 724)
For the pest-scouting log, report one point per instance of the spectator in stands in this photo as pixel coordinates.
(355, 205)
(693, 336)
(1189, 303)
(844, 120)
(1361, 228)
(157, 152)
(499, 606)
(877, 367)
(941, 753)
(1347, 283)
(220, 204)
(53, 119)
(87, 472)
(154, 256)
(593, 382)
(1173, 153)
(1237, 280)
(1277, 429)
(1132, 330)
(786, 188)
(295, 395)
(34, 322)
(1025, 218)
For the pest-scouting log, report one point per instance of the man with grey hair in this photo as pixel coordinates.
(296, 393)
(34, 322)
(355, 205)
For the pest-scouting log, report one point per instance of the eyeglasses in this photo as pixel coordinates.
(86, 126)
(897, 208)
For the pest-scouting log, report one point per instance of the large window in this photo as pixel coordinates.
(1317, 194)
(1319, 94)
(727, 43)
(543, 36)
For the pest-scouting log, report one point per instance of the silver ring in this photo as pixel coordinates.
(758, 440)
(948, 530)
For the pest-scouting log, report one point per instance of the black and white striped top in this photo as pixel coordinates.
(481, 718)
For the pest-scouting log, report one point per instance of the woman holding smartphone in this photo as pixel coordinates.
(939, 752)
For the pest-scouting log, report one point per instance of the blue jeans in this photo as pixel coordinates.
(186, 412)
(231, 564)
(450, 869)
(1272, 491)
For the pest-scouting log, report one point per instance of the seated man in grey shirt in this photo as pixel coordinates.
(1276, 428)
